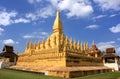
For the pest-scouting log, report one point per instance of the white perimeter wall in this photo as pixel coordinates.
(6, 64)
(112, 65)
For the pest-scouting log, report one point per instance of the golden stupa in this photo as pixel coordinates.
(59, 56)
(57, 49)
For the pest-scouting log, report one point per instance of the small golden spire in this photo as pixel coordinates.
(27, 45)
(75, 45)
(30, 45)
(78, 45)
(87, 46)
(35, 45)
(66, 40)
(71, 44)
(38, 44)
(43, 44)
(82, 46)
(93, 42)
(48, 42)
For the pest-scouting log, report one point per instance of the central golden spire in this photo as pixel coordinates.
(58, 27)
(93, 42)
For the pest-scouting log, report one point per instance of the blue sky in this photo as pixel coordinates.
(84, 20)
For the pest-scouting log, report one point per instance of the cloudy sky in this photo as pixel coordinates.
(84, 20)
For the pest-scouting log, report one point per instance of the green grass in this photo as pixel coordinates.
(12, 74)
(109, 75)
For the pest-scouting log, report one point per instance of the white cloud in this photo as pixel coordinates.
(45, 12)
(78, 8)
(115, 29)
(34, 1)
(108, 4)
(9, 41)
(31, 1)
(92, 27)
(41, 35)
(118, 50)
(41, 13)
(99, 16)
(54, 3)
(103, 45)
(16, 42)
(28, 36)
(113, 15)
(31, 16)
(44, 33)
(21, 20)
(1, 30)
(10, 17)
(6, 17)
(118, 39)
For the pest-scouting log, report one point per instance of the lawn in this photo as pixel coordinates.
(109, 75)
(12, 74)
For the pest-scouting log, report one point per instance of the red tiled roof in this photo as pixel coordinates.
(107, 55)
(110, 50)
